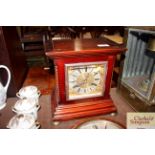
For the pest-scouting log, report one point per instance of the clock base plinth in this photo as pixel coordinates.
(62, 112)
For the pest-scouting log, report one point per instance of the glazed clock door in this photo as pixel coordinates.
(85, 80)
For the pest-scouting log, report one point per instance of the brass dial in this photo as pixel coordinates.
(85, 80)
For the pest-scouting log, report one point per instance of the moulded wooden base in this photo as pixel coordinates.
(79, 109)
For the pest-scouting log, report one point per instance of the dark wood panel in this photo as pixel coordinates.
(13, 57)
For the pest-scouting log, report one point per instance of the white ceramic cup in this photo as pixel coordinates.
(23, 121)
(27, 106)
(29, 92)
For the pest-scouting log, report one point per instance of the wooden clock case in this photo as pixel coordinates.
(81, 51)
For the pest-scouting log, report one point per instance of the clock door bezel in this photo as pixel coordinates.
(83, 64)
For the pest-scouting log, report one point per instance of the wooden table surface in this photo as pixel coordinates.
(45, 119)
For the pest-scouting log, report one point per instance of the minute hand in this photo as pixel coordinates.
(85, 80)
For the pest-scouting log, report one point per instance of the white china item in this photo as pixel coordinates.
(29, 92)
(3, 89)
(23, 121)
(26, 106)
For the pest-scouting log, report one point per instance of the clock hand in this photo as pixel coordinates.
(94, 84)
(86, 77)
(75, 86)
(84, 80)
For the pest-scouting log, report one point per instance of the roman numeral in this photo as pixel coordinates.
(75, 86)
(90, 89)
(94, 84)
(95, 73)
(74, 75)
(97, 79)
(72, 81)
(79, 71)
(79, 90)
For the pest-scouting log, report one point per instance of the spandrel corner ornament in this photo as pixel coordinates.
(3, 89)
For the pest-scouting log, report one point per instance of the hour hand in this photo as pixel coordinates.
(75, 86)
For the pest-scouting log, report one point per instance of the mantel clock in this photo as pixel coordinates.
(83, 71)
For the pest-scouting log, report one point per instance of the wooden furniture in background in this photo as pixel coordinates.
(12, 56)
(32, 41)
(32, 38)
(137, 78)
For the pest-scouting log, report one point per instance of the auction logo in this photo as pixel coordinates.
(141, 120)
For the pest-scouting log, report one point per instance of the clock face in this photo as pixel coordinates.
(99, 124)
(85, 80)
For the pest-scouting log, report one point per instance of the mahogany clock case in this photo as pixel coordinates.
(83, 51)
